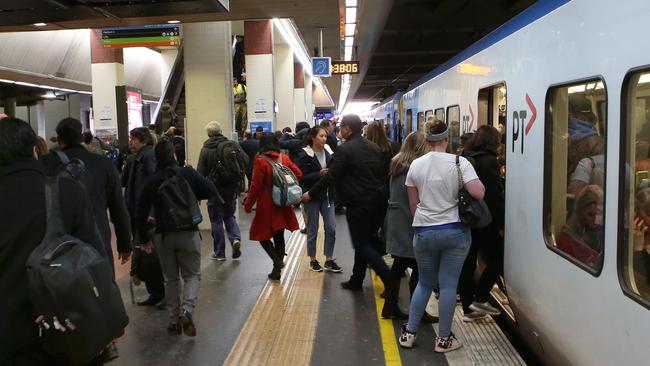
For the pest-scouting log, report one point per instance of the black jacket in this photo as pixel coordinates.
(203, 189)
(106, 195)
(208, 159)
(250, 147)
(310, 168)
(136, 170)
(487, 169)
(22, 224)
(355, 171)
(293, 144)
(332, 141)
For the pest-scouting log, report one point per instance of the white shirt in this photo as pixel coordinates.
(436, 178)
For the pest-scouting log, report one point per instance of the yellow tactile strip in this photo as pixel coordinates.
(281, 329)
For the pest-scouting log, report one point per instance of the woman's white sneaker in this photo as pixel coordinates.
(485, 308)
(406, 338)
(447, 344)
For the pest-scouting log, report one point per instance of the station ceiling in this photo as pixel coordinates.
(419, 35)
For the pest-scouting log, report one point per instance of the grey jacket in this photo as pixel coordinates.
(399, 221)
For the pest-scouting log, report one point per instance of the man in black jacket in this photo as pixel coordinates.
(106, 191)
(23, 225)
(179, 250)
(356, 173)
(140, 166)
(251, 146)
(294, 144)
(222, 208)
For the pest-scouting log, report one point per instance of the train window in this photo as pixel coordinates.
(453, 121)
(574, 172)
(409, 121)
(428, 114)
(492, 106)
(420, 121)
(440, 114)
(634, 240)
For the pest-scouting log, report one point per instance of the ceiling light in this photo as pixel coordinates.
(350, 2)
(350, 15)
(27, 84)
(173, 21)
(348, 54)
(349, 29)
(349, 41)
(40, 24)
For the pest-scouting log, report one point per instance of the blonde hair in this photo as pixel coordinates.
(213, 128)
(414, 146)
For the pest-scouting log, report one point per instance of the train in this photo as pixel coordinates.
(566, 82)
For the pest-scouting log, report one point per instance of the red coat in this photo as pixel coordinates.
(269, 218)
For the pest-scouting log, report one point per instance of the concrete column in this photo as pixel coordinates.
(283, 71)
(309, 105)
(298, 93)
(39, 117)
(258, 50)
(107, 72)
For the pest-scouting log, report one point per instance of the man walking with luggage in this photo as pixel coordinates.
(223, 162)
(176, 237)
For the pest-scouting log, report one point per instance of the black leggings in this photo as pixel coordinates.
(491, 247)
(277, 244)
(400, 264)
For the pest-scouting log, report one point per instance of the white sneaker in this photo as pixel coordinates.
(406, 338)
(447, 344)
(485, 308)
(472, 316)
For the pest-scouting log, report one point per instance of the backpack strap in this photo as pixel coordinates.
(62, 156)
(54, 221)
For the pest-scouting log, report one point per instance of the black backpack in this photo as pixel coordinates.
(75, 169)
(78, 304)
(228, 170)
(180, 209)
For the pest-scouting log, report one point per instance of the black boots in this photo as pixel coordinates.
(272, 252)
(391, 308)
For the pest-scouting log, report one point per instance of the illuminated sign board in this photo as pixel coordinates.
(345, 67)
(321, 66)
(142, 36)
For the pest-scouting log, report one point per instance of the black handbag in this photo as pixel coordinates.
(472, 212)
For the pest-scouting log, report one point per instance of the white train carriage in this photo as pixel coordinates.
(570, 72)
(388, 114)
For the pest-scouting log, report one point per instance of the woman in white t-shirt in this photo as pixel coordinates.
(441, 241)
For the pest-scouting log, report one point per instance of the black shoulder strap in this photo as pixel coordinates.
(62, 156)
(458, 160)
(54, 221)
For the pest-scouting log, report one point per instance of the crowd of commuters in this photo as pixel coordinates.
(398, 200)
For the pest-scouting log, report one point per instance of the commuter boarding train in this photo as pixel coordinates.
(568, 84)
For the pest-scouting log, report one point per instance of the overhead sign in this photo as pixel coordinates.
(142, 36)
(345, 67)
(321, 66)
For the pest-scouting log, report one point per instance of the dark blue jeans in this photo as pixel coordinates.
(223, 214)
(314, 209)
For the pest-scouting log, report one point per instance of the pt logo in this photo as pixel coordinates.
(520, 128)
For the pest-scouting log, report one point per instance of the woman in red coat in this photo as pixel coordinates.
(270, 221)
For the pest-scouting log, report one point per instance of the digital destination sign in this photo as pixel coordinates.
(142, 36)
(345, 67)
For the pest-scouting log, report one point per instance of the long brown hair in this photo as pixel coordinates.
(376, 133)
(414, 146)
(485, 138)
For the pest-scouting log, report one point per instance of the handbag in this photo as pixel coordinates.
(472, 212)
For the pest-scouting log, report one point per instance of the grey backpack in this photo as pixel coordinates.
(286, 190)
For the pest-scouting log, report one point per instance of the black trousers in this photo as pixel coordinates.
(400, 264)
(147, 268)
(490, 245)
(364, 220)
(277, 244)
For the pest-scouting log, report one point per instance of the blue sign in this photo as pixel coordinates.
(266, 125)
(321, 66)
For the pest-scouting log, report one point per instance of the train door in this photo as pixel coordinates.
(453, 121)
(420, 121)
(492, 106)
(397, 128)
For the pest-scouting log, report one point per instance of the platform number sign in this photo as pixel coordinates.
(321, 66)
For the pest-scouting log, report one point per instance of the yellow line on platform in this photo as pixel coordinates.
(388, 340)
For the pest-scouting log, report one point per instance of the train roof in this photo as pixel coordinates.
(526, 17)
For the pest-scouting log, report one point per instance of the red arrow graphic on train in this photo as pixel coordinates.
(471, 117)
(533, 117)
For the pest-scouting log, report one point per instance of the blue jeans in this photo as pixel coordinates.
(220, 214)
(313, 209)
(440, 255)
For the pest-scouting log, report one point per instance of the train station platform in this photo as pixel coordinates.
(242, 318)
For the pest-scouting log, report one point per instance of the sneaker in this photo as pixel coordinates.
(331, 266)
(303, 230)
(215, 257)
(485, 308)
(174, 328)
(472, 316)
(236, 249)
(188, 324)
(352, 286)
(406, 338)
(447, 344)
(314, 266)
